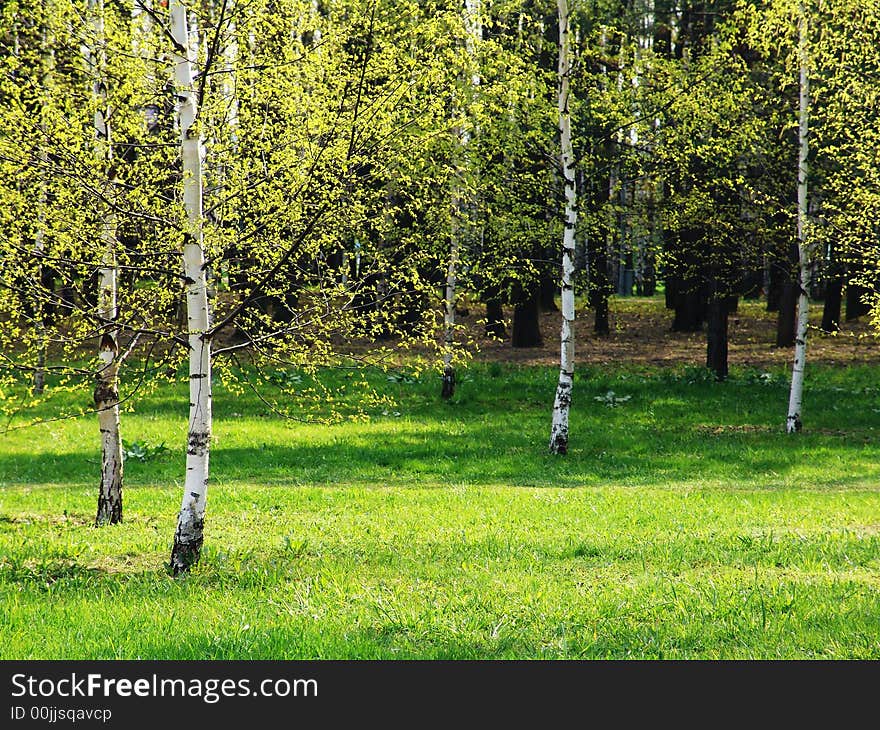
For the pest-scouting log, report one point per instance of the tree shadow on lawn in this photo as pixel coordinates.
(481, 454)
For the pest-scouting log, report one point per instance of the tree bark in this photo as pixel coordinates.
(855, 304)
(716, 336)
(189, 535)
(689, 301)
(526, 323)
(794, 421)
(448, 388)
(599, 285)
(562, 401)
(786, 320)
(495, 318)
(833, 295)
(106, 394)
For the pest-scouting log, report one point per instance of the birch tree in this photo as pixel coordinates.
(562, 402)
(188, 537)
(461, 222)
(793, 423)
(106, 395)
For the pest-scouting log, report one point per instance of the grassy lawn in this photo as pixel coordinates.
(684, 523)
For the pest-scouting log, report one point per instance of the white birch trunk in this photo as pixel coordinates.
(795, 400)
(448, 389)
(106, 394)
(230, 61)
(141, 29)
(190, 522)
(562, 402)
(472, 36)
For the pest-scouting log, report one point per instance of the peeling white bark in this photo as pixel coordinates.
(190, 522)
(562, 402)
(795, 400)
(106, 394)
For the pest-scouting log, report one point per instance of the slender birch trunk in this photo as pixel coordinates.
(795, 399)
(473, 33)
(190, 522)
(141, 28)
(562, 403)
(448, 389)
(106, 394)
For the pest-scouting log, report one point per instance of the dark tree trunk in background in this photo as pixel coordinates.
(495, 319)
(787, 319)
(599, 284)
(855, 307)
(626, 275)
(776, 277)
(601, 325)
(690, 310)
(833, 292)
(753, 282)
(833, 300)
(689, 301)
(670, 290)
(716, 336)
(782, 254)
(547, 293)
(646, 281)
(526, 325)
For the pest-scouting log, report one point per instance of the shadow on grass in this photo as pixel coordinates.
(495, 432)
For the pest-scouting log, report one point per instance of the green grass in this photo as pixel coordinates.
(683, 524)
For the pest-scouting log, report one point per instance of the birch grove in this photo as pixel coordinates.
(292, 189)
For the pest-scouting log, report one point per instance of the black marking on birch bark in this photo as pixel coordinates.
(110, 500)
(198, 376)
(188, 281)
(187, 547)
(796, 420)
(559, 441)
(563, 396)
(108, 343)
(105, 395)
(448, 389)
(197, 443)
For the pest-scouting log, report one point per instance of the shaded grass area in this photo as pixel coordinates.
(684, 523)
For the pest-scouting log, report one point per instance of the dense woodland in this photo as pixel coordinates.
(229, 185)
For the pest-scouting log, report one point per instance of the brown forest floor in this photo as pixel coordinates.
(641, 334)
